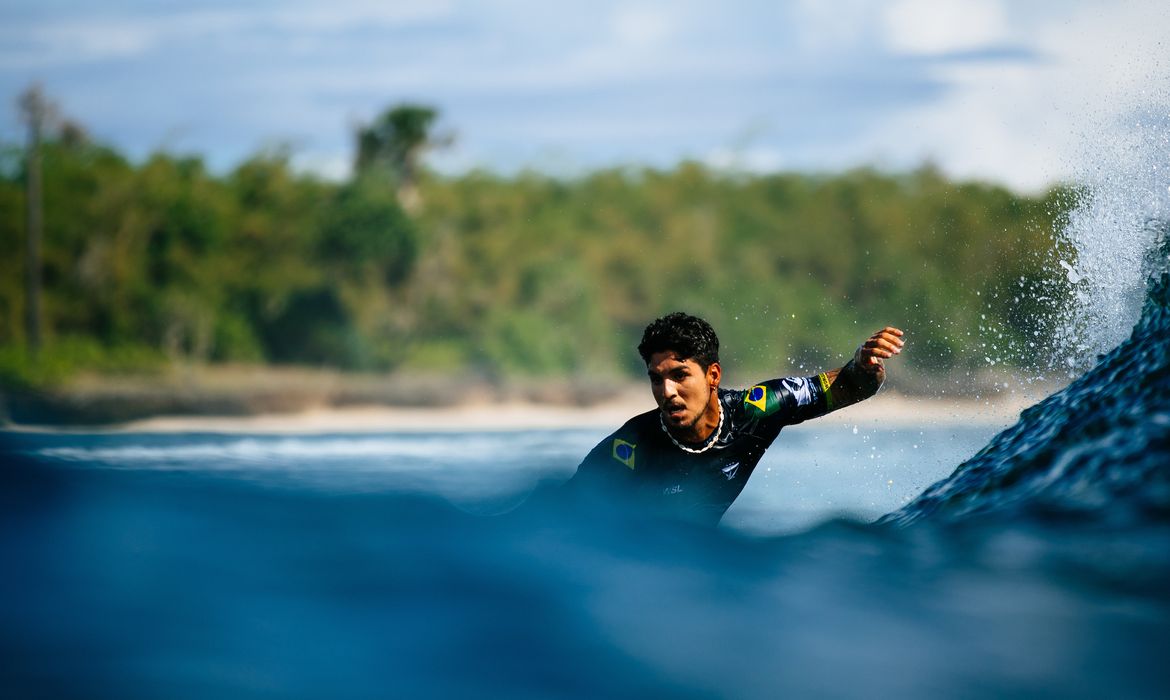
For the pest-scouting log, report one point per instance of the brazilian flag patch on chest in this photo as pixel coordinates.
(761, 401)
(624, 452)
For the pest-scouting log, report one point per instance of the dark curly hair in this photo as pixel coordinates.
(690, 337)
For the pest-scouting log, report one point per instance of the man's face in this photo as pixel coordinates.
(681, 388)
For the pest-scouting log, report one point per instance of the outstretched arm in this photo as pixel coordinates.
(861, 377)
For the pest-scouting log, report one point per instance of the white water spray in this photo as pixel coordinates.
(1111, 235)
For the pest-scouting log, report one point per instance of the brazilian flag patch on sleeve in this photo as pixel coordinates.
(624, 452)
(761, 401)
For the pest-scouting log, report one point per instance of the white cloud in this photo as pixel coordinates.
(642, 27)
(1028, 124)
(835, 27)
(833, 84)
(83, 38)
(328, 165)
(72, 42)
(341, 14)
(944, 26)
(754, 159)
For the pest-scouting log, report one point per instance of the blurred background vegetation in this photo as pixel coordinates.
(400, 269)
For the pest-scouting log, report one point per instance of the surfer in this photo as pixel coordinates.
(692, 456)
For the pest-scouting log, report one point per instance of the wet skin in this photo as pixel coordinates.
(685, 393)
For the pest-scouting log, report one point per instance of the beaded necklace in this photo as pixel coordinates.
(714, 438)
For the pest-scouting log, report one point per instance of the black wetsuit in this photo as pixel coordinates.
(641, 459)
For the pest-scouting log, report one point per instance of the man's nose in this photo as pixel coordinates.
(669, 389)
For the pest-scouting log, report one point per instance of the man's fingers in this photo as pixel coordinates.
(888, 337)
(883, 342)
(891, 333)
(878, 345)
(882, 345)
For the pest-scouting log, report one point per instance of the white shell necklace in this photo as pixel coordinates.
(714, 438)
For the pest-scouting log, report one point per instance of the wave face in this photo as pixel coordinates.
(1099, 449)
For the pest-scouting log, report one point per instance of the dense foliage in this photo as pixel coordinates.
(512, 275)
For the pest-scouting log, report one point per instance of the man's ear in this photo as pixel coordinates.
(714, 374)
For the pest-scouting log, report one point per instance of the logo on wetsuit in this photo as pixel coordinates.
(800, 388)
(624, 452)
(760, 402)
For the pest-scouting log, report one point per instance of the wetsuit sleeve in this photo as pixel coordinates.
(785, 401)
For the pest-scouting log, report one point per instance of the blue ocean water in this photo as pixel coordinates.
(818, 471)
(370, 566)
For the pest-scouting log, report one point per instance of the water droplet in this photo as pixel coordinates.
(1073, 275)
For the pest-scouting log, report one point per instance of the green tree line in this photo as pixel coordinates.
(163, 261)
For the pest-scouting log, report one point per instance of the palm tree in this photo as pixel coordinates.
(395, 143)
(38, 112)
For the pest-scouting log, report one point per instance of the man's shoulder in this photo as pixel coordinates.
(642, 420)
(622, 444)
(636, 428)
(730, 397)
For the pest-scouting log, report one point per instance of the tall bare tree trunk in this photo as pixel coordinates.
(36, 112)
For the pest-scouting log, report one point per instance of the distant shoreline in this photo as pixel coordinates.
(886, 409)
(265, 399)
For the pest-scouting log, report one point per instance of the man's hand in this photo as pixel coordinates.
(880, 346)
(863, 375)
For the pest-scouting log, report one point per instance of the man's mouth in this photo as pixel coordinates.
(676, 412)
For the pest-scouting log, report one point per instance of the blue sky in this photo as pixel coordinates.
(1012, 92)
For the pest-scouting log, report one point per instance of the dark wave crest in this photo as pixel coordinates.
(1098, 450)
